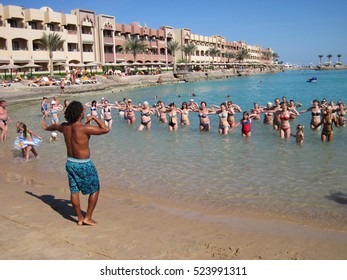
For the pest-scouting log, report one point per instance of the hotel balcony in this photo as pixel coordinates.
(108, 40)
(87, 38)
(74, 56)
(13, 12)
(136, 29)
(34, 15)
(52, 17)
(109, 57)
(21, 57)
(88, 56)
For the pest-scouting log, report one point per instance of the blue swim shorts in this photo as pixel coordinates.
(82, 176)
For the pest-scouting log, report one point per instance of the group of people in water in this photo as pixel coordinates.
(278, 114)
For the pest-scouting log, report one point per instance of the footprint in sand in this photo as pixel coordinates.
(18, 178)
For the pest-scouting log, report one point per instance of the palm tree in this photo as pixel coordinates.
(275, 56)
(51, 42)
(173, 47)
(213, 52)
(320, 59)
(339, 58)
(242, 54)
(268, 55)
(229, 55)
(329, 56)
(189, 49)
(134, 46)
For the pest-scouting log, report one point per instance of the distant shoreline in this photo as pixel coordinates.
(21, 91)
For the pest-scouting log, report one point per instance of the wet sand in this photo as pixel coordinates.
(38, 222)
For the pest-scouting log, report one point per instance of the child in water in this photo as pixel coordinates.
(246, 124)
(28, 142)
(299, 134)
(54, 137)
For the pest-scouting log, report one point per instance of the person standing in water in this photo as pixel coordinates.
(81, 171)
(4, 119)
(245, 123)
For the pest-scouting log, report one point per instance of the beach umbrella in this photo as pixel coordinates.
(9, 67)
(93, 64)
(31, 65)
(60, 64)
(77, 64)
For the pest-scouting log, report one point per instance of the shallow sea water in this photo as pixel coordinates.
(263, 173)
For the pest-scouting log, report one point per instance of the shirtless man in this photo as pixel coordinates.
(4, 119)
(82, 173)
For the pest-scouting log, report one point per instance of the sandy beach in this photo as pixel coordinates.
(39, 223)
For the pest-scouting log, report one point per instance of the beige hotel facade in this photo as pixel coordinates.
(92, 38)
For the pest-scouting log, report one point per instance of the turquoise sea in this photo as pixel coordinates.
(263, 174)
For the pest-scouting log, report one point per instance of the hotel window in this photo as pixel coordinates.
(36, 46)
(50, 26)
(12, 23)
(33, 25)
(86, 30)
(15, 45)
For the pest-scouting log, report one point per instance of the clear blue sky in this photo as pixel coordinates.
(298, 30)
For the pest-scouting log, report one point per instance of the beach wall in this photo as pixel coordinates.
(22, 90)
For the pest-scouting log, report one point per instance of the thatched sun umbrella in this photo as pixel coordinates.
(31, 65)
(9, 67)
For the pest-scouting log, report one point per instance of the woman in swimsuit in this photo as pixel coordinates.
(224, 126)
(146, 113)
(93, 108)
(121, 108)
(246, 124)
(44, 106)
(293, 106)
(341, 114)
(268, 116)
(107, 107)
(276, 118)
(173, 116)
(333, 106)
(284, 115)
(184, 114)
(203, 115)
(327, 121)
(129, 113)
(162, 110)
(54, 110)
(316, 112)
(231, 109)
(256, 111)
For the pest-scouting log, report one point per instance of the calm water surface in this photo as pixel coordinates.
(263, 173)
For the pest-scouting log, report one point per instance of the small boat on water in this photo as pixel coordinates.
(312, 80)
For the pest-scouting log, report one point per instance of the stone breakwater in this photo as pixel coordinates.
(22, 91)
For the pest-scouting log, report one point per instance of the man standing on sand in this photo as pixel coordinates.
(81, 171)
(4, 119)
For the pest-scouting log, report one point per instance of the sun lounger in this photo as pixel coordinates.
(5, 84)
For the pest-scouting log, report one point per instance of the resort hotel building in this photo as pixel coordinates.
(94, 40)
